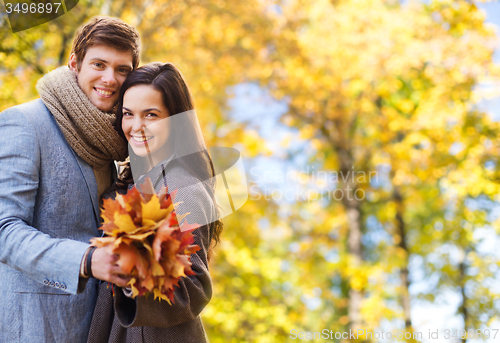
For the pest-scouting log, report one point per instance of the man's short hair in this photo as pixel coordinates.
(109, 31)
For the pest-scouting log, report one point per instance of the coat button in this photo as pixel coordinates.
(63, 286)
(45, 281)
(57, 284)
(51, 283)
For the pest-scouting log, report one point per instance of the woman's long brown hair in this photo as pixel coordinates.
(167, 79)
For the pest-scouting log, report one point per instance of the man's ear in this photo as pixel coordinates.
(73, 65)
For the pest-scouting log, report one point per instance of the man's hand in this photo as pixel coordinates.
(106, 268)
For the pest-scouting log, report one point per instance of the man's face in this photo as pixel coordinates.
(102, 73)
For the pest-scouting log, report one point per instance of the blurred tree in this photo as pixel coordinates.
(381, 85)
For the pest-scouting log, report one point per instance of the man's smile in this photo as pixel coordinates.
(104, 92)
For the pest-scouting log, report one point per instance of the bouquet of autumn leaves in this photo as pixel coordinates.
(144, 231)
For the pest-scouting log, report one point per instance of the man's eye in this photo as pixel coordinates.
(98, 65)
(123, 71)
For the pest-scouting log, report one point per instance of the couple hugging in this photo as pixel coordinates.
(57, 162)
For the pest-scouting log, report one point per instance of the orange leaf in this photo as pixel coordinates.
(185, 227)
(101, 241)
(128, 257)
(110, 207)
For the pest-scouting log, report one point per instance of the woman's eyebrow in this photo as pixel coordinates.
(145, 110)
(151, 109)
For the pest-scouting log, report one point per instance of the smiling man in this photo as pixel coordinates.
(101, 73)
(56, 159)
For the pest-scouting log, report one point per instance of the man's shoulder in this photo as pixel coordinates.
(30, 108)
(29, 114)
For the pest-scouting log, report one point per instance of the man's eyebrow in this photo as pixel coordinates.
(104, 61)
(98, 59)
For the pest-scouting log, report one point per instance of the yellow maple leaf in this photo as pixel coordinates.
(124, 222)
(156, 269)
(142, 236)
(135, 291)
(159, 294)
(152, 210)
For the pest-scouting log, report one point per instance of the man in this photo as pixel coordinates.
(56, 159)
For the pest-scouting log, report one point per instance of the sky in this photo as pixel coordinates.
(492, 10)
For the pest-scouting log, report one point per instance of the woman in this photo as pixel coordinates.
(156, 115)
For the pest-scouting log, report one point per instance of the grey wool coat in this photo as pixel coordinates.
(120, 319)
(48, 213)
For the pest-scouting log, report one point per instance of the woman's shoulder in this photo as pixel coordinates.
(192, 194)
(176, 177)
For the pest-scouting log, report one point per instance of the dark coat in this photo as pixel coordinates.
(121, 319)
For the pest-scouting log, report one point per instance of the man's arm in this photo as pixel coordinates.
(22, 246)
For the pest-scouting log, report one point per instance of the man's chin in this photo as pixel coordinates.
(104, 105)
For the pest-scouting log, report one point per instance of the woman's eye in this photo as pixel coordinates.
(126, 114)
(151, 115)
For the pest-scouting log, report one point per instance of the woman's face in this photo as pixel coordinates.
(144, 120)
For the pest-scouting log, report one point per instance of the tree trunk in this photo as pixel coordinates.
(355, 248)
(463, 307)
(403, 273)
(354, 244)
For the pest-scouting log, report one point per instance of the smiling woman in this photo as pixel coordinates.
(143, 124)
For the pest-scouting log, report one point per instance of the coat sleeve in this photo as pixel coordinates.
(22, 246)
(192, 295)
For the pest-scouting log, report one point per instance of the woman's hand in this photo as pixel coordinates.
(105, 267)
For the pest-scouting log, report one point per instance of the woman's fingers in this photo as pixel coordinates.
(120, 280)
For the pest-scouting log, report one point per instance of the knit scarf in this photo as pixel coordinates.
(88, 130)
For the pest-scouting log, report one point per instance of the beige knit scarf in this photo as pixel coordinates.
(88, 130)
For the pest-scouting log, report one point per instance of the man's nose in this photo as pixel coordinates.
(109, 77)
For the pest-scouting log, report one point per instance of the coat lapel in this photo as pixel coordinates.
(88, 175)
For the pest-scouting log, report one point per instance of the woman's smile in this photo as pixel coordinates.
(141, 140)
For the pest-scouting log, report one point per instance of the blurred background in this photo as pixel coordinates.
(370, 136)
